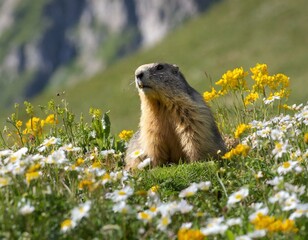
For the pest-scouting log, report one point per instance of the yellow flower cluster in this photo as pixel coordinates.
(35, 125)
(190, 234)
(95, 112)
(126, 135)
(85, 184)
(251, 98)
(272, 224)
(208, 96)
(263, 79)
(233, 80)
(241, 129)
(33, 173)
(278, 84)
(239, 150)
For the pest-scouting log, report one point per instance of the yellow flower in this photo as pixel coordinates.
(50, 119)
(34, 168)
(241, 129)
(287, 107)
(278, 84)
(262, 221)
(106, 177)
(34, 126)
(126, 135)
(208, 96)
(154, 188)
(260, 75)
(96, 113)
(31, 176)
(251, 98)
(228, 155)
(259, 70)
(96, 164)
(79, 161)
(282, 79)
(306, 138)
(288, 226)
(18, 124)
(233, 80)
(190, 234)
(239, 150)
(283, 93)
(85, 184)
(272, 224)
(242, 149)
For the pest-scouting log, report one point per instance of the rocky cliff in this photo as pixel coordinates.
(61, 41)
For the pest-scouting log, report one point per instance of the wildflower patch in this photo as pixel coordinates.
(64, 178)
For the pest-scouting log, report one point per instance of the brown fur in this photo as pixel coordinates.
(175, 121)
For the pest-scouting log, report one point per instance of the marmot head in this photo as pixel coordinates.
(160, 81)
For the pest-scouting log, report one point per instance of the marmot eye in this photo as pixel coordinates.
(159, 67)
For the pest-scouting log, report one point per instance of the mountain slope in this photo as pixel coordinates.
(233, 33)
(45, 44)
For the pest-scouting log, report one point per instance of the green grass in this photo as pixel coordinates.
(231, 34)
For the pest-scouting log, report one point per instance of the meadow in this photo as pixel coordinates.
(63, 177)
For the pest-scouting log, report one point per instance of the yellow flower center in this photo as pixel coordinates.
(238, 196)
(122, 193)
(278, 146)
(66, 223)
(144, 215)
(106, 176)
(165, 221)
(153, 209)
(286, 165)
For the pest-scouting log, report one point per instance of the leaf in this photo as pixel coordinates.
(106, 125)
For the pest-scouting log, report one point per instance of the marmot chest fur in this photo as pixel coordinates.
(175, 121)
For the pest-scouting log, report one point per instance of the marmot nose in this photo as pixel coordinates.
(139, 75)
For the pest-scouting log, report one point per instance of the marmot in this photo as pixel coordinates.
(175, 122)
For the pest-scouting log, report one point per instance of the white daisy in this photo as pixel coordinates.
(280, 149)
(81, 211)
(275, 181)
(184, 207)
(121, 207)
(301, 210)
(190, 191)
(163, 223)
(238, 196)
(286, 167)
(120, 195)
(214, 226)
(263, 211)
(204, 186)
(137, 153)
(26, 209)
(48, 142)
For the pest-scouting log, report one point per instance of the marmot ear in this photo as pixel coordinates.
(175, 69)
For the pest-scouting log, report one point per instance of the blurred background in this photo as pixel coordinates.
(86, 51)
